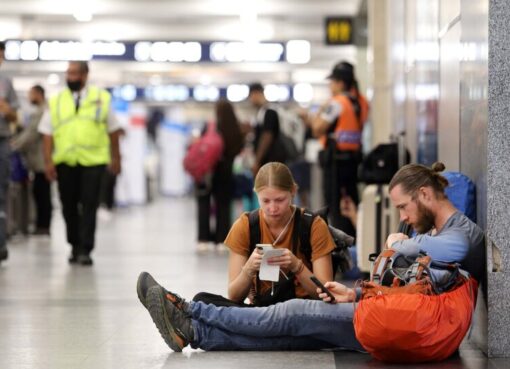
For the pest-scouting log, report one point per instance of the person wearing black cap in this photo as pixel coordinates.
(362, 101)
(8, 106)
(339, 124)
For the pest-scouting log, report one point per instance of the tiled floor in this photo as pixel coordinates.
(53, 315)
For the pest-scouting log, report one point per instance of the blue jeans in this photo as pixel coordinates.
(292, 325)
(4, 184)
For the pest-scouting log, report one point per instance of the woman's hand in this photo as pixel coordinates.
(287, 260)
(252, 265)
(342, 293)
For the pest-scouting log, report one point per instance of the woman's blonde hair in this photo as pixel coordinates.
(276, 175)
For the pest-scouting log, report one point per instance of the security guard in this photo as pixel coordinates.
(339, 125)
(81, 137)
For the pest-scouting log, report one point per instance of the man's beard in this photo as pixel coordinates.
(425, 220)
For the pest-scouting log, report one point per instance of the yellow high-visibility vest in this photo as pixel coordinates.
(81, 138)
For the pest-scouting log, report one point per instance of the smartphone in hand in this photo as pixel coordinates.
(264, 246)
(323, 288)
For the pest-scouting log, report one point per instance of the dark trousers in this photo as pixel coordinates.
(218, 300)
(221, 191)
(4, 185)
(42, 197)
(79, 193)
(108, 182)
(340, 178)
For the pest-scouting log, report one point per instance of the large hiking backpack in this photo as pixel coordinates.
(414, 309)
(203, 154)
(301, 235)
(461, 192)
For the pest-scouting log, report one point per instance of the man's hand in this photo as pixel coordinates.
(115, 166)
(394, 237)
(342, 293)
(348, 209)
(51, 172)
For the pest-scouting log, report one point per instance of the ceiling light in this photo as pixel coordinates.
(303, 92)
(236, 93)
(82, 15)
(298, 51)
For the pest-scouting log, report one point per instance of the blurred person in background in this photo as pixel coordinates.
(29, 143)
(81, 137)
(267, 129)
(339, 124)
(107, 191)
(8, 106)
(220, 184)
(361, 99)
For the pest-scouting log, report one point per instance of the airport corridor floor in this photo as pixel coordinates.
(54, 315)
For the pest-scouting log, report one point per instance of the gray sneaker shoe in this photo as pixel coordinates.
(146, 281)
(173, 324)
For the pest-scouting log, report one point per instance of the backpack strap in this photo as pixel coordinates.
(296, 230)
(380, 265)
(419, 269)
(305, 232)
(254, 223)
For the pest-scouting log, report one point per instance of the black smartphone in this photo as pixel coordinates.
(324, 289)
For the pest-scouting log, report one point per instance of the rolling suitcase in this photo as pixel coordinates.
(377, 218)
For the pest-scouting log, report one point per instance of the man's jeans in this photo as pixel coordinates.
(4, 183)
(292, 325)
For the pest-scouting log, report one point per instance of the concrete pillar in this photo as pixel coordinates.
(379, 69)
(498, 180)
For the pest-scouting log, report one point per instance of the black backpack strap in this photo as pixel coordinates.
(254, 222)
(295, 230)
(357, 108)
(307, 219)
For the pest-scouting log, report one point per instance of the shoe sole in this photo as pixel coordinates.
(156, 303)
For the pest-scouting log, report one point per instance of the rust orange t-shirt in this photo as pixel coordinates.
(238, 241)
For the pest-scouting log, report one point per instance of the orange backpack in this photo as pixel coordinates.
(413, 320)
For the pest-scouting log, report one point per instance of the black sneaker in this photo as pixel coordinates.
(4, 254)
(146, 281)
(173, 324)
(85, 260)
(73, 259)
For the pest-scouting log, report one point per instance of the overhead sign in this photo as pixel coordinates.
(338, 31)
(158, 51)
